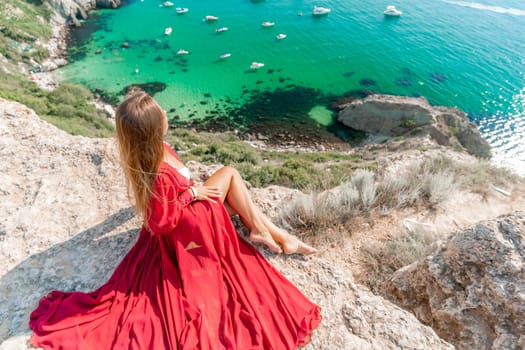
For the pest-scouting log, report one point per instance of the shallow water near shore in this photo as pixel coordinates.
(455, 53)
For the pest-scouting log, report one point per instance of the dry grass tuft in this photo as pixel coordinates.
(383, 258)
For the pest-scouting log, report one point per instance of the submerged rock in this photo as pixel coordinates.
(151, 88)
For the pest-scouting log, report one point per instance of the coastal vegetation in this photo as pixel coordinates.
(307, 171)
(424, 185)
(24, 27)
(23, 31)
(69, 107)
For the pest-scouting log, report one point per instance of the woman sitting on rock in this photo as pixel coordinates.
(189, 282)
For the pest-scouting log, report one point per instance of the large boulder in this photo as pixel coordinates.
(391, 116)
(471, 291)
(66, 223)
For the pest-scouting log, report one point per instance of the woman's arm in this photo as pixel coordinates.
(167, 203)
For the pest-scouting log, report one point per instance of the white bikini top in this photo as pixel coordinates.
(184, 171)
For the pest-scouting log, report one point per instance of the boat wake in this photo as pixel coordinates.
(478, 6)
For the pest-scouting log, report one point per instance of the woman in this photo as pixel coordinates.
(189, 282)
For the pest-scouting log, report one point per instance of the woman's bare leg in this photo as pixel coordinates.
(237, 197)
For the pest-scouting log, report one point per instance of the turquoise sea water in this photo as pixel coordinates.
(470, 55)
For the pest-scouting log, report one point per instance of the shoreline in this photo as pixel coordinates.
(297, 137)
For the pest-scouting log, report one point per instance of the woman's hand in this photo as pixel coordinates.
(208, 193)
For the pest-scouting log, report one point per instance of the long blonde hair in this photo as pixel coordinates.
(140, 126)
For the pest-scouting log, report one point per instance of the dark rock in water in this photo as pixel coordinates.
(348, 74)
(76, 54)
(359, 93)
(184, 70)
(172, 109)
(282, 80)
(404, 82)
(158, 59)
(407, 71)
(437, 77)
(151, 88)
(207, 94)
(367, 82)
(258, 82)
(203, 102)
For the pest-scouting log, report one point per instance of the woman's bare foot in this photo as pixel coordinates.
(292, 244)
(266, 239)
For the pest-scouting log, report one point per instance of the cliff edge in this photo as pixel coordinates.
(66, 224)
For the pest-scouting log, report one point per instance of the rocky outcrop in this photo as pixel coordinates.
(66, 223)
(472, 291)
(72, 11)
(391, 116)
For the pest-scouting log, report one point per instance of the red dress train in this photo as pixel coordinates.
(193, 284)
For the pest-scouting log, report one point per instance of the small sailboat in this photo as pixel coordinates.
(392, 11)
(211, 18)
(136, 69)
(168, 31)
(256, 65)
(168, 4)
(181, 10)
(268, 24)
(221, 29)
(182, 52)
(280, 36)
(225, 55)
(320, 11)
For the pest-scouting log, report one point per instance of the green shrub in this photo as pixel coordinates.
(68, 106)
(227, 153)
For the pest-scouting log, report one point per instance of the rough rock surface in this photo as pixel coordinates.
(390, 116)
(472, 291)
(72, 11)
(66, 223)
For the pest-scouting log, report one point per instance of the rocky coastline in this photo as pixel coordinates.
(402, 116)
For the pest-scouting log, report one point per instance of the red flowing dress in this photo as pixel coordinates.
(192, 284)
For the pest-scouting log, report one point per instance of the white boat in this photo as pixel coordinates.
(181, 10)
(256, 65)
(225, 55)
(221, 29)
(319, 11)
(211, 18)
(392, 11)
(182, 52)
(168, 31)
(268, 24)
(281, 36)
(168, 3)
